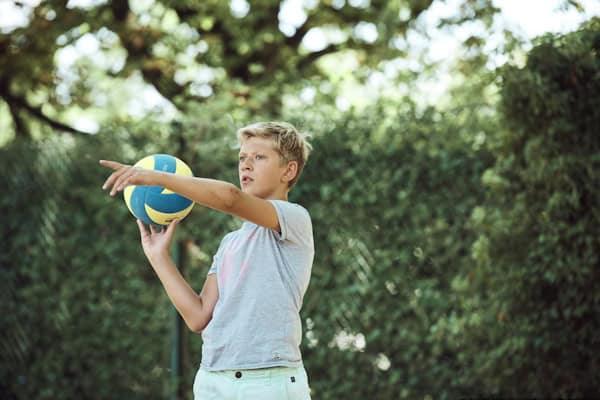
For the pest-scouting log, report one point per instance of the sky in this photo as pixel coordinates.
(528, 18)
(535, 17)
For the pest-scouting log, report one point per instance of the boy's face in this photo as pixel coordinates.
(261, 170)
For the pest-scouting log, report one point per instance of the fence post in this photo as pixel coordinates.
(176, 339)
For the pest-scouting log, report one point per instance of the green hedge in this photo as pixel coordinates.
(539, 238)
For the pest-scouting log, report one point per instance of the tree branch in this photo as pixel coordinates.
(312, 57)
(120, 9)
(15, 103)
(20, 127)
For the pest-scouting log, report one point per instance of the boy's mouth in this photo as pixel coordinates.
(246, 180)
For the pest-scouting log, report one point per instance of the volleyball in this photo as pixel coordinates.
(156, 205)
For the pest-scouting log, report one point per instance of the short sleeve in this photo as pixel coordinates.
(294, 222)
(213, 266)
(218, 256)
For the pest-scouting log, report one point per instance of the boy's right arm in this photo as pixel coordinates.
(195, 309)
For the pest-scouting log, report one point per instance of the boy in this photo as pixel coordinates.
(248, 309)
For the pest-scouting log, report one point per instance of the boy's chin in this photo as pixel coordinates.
(254, 193)
(248, 190)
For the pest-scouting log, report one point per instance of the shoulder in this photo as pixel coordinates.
(294, 221)
(290, 207)
(291, 212)
(229, 237)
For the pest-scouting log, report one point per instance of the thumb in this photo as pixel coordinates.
(171, 228)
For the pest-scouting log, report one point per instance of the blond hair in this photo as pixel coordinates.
(291, 144)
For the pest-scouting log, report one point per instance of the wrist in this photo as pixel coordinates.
(159, 258)
(160, 178)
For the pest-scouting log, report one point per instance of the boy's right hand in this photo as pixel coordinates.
(124, 175)
(157, 242)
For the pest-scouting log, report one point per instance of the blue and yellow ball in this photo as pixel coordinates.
(154, 204)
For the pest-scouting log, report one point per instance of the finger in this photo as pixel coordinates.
(170, 231)
(171, 227)
(114, 176)
(143, 231)
(111, 164)
(122, 180)
(131, 179)
(153, 229)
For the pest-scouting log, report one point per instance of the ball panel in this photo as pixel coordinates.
(146, 163)
(162, 218)
(167, 203)
(182, 168)
(127, 196)
(164, 163)
(137, 200)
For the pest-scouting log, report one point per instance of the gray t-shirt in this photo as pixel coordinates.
(262, 277)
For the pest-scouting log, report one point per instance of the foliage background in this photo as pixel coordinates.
(457, 241)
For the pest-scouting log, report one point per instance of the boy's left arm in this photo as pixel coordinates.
(215, 194)
(225, 197)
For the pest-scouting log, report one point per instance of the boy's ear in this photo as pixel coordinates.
(291, 171)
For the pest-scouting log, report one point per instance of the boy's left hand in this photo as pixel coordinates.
(126, 175)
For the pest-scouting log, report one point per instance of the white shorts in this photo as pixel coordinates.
(278, 383)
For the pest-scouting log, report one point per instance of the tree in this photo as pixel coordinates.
(192, 51)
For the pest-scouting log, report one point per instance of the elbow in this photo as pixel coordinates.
(196, 326)
(231, 201)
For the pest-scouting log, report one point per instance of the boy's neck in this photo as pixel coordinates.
(277, 197)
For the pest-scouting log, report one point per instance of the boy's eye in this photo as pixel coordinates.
(256, 157)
